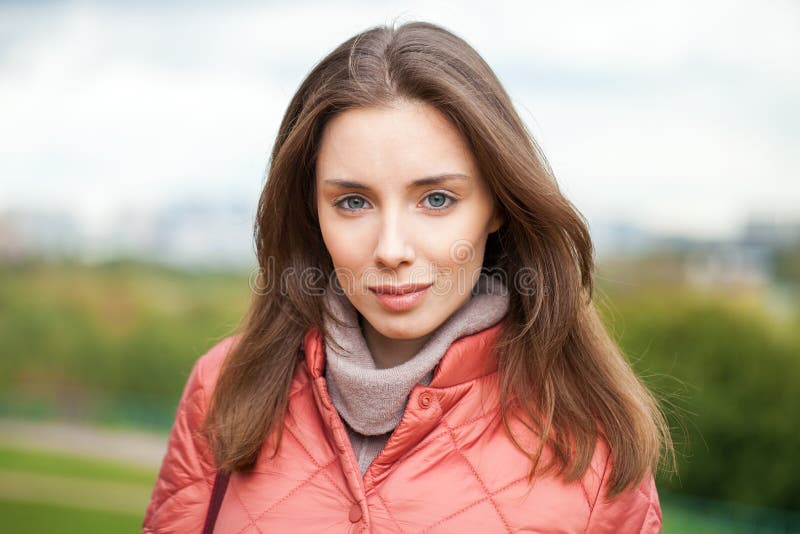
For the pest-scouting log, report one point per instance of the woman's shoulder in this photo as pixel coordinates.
(636, 506)
(207, 366)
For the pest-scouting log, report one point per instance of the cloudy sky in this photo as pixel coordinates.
(681, 117)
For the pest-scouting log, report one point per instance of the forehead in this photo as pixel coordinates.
(392, 144)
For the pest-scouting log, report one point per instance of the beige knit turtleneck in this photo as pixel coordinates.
(371, 401)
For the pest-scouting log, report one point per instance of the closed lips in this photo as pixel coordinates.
(399, 290)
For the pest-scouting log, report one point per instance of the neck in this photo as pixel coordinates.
(388, 352)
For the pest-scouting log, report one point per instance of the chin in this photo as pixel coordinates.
(402, 328)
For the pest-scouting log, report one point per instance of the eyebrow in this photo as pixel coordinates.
(428, 180)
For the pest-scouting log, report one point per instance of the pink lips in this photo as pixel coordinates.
(400, 298)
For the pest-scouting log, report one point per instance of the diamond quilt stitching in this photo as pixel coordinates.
(388, 511)
(480, 480)
(316, 463)
(479, 501)
(246, 511)
(489, 494)
(293, 490)
(440, 431)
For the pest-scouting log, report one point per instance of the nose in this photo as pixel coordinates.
(393, 247)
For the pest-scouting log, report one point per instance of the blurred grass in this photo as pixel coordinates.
(42, 491)
(29, 518)
(51, 463)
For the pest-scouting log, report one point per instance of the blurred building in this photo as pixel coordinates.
(188, 234)
(747, 260)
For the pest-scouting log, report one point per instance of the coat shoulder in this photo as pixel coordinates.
(636, 509)
(210, 363)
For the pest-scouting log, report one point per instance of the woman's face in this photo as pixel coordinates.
(400, 201)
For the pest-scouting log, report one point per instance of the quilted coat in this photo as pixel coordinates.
(447, 467)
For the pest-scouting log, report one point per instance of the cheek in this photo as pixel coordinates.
(460, 244)
(346, 243)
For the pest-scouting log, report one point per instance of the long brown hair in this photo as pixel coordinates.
(559, 370)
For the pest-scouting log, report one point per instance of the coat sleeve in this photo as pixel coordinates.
(636, 510)
(182, 490)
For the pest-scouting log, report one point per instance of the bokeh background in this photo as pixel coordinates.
(133, 143)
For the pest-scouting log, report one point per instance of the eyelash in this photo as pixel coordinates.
(453, 200)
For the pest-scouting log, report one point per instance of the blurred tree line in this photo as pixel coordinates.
(786, 265)
(115, 342)
(727, 369)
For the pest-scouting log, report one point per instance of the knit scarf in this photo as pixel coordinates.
(372, 400)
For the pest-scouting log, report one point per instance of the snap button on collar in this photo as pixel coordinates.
(424, 399)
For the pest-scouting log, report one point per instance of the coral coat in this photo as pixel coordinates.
(447, 467)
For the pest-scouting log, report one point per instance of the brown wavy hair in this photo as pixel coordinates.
(559, 370)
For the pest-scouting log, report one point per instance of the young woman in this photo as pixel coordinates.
(422, 352)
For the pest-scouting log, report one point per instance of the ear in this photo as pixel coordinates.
(498, 219)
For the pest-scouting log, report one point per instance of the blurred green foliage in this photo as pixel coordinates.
(108, 342)
(116, 342)
(786, 264)
(727, 372)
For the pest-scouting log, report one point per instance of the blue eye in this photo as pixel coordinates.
(354, 203)
(440, 200)
(351, 203)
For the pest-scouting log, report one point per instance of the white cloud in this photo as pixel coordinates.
(681, 116)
